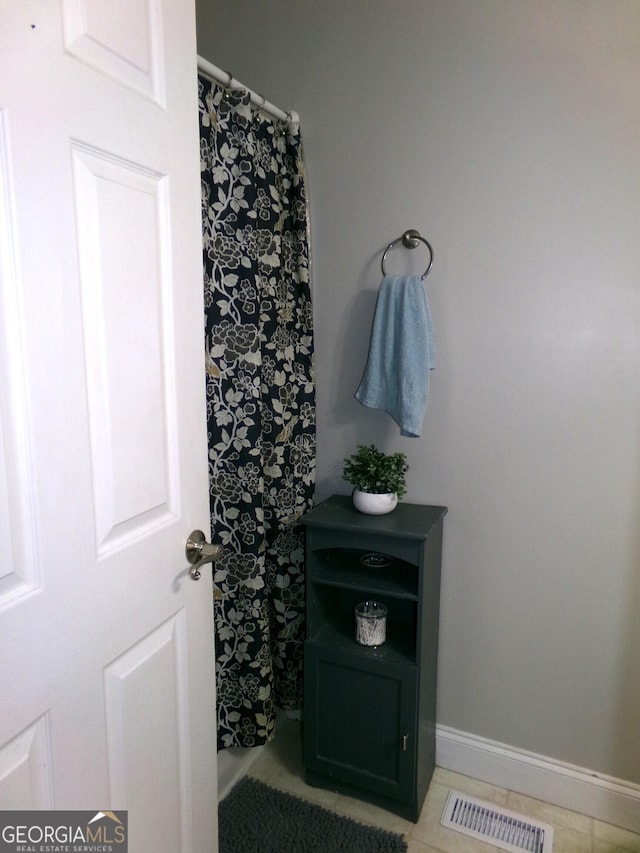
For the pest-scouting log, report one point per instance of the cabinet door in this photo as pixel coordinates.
(360, 720)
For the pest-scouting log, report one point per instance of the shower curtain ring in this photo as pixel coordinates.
(259, 106)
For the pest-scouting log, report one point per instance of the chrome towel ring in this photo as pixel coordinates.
(410, 240)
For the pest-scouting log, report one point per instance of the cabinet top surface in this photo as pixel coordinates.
(406, 520)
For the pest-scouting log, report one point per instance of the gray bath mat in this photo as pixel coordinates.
(255, 818)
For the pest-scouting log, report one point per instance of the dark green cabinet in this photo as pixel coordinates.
(369, 712)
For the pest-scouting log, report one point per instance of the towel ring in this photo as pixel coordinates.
(410, 240)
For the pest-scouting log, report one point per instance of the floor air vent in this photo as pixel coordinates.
(495, 825)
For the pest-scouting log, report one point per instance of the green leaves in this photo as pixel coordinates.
(371, 470)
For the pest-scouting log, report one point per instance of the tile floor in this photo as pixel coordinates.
(280, 765)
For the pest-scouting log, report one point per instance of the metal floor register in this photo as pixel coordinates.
(503, 828)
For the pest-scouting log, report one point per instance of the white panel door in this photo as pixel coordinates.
(107, 674)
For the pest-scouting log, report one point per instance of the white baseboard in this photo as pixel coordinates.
(601, 797)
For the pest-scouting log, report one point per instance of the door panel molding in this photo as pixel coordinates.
(121, 211)
(144, 705)
(25, 769)
(130, 54)
(19, 570)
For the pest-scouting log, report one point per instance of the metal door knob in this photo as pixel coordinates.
(199, 552)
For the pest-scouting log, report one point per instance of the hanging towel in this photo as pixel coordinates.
(401, 353)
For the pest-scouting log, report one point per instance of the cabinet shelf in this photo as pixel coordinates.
(342, 567)
(339, 634)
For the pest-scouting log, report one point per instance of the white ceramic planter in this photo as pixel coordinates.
(374, 504)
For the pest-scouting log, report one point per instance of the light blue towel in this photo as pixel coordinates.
(401, 353)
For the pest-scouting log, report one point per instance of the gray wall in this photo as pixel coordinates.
(508, 133)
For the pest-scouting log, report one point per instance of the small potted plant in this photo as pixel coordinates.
(379, 479)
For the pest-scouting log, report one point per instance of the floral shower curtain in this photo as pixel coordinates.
(260, 405)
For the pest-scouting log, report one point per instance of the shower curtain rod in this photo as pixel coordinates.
(226, 78)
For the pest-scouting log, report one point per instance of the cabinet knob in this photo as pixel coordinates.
(405, 741)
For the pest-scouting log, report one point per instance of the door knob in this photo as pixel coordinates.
(199, 552)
